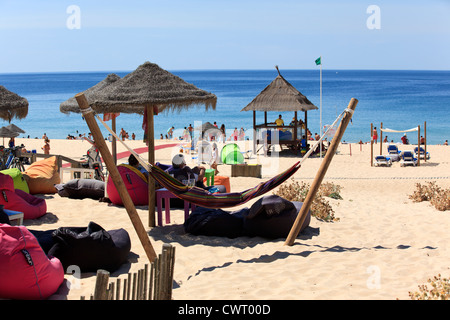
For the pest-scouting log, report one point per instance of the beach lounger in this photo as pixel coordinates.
(383, 161)
(408, 158)
(422, 154)
(394, 153)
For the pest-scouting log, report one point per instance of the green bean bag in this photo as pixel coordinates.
(18, 179)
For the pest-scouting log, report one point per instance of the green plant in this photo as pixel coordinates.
(320, 207)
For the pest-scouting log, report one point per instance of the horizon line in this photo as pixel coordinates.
(214, 69)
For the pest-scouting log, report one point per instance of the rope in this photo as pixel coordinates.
(148, 167)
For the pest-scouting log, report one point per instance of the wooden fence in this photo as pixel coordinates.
(154, 282)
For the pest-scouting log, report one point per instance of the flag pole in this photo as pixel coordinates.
(321, 105)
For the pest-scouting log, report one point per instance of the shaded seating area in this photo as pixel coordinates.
(280, 96)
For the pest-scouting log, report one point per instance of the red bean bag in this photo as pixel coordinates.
(26, 273)
(18, 200)
(135, 182)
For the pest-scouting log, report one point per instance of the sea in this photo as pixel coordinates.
(397, 99)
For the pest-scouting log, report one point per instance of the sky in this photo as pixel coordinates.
(59, 35)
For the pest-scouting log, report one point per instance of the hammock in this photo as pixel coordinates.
(204, 198)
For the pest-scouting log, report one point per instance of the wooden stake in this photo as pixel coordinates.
(101, 285)
(418, 146)
(371, 144)
(115, 175)
(381, 139)
(298, 223)
(151, 160)
(425, 139)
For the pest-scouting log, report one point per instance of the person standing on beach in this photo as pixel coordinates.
(191, 131)
(46, 146)
(170, 132)
(11, 142)
(222, 129)
(375, 135)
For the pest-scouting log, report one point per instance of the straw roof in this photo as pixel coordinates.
(6, 133)
(12, 105)
(151, 85)
(280, 95)
(14, 128)
(71, 104)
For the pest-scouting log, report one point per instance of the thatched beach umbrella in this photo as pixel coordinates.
(280, 96)
(14, 128)
(148, 90)
(7, 133)
(12, 105)
(71, 104)
(209, 128)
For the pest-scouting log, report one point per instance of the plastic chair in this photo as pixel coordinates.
(167, 195)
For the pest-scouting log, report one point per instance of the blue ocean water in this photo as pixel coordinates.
(399, 99)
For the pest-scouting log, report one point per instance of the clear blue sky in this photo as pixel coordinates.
(210, 34)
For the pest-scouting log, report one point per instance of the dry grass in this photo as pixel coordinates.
(440, 290)
(438, 197)
(320, 207)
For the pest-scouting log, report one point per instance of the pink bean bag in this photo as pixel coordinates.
(25, 271)
(135, 182)
(18, 200)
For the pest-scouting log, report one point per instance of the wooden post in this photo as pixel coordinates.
(151, 160)
(425, 139)
(381, 139)
(371, 144)
(320, 174)
(418, 146)
(255, 136)
(101, 284)
(115, 175)
(114, 142)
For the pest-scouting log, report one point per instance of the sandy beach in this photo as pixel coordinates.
(383, 246)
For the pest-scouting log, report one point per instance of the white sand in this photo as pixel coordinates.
(383, 246)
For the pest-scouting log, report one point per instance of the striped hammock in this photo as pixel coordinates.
(203, 198)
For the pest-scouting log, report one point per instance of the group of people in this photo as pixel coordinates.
(124, 135)
(209, 135)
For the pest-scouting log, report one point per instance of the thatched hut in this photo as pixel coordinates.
(150, 90)
(281, 96)
(71, 104)
(12, 105)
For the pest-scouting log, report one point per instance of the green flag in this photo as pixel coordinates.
(318, 61)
